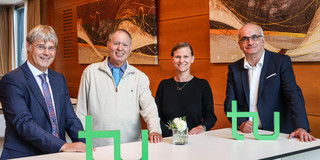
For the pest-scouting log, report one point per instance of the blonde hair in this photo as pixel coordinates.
(42, 33)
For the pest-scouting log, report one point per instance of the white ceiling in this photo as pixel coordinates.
(6, 2)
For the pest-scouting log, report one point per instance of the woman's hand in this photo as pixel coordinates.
(196, 130)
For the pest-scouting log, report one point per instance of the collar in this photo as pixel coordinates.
(35, 71)
(122, 68)
(246, 64)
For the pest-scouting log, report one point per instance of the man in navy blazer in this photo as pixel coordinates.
(29, 131)
(264, 82)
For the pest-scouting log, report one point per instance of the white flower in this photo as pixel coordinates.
(180, 124)
(176, 119)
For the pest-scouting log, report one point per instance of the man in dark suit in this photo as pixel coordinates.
(264, 82)
(36, 103)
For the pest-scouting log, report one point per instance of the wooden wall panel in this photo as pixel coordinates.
(307, 76)
(315, 125)
(67, 47)
(222, 121)
(175, 9)
(64, 3)
(65, 20)
(194, 30)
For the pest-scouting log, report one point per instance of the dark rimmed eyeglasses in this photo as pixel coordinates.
(254, 37)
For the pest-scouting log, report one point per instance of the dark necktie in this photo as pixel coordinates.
(47, 97)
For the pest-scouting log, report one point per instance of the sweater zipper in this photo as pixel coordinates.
(119, 81)
(116, 85)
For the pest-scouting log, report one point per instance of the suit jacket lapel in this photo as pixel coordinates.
(55, 94)
(264, 71)
(33, 85)
(245, 81)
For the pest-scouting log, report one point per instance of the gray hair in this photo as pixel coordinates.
(42, 33)
(120, 30)
(249, 23)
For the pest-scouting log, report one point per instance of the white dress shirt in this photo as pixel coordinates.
(254, 73)
(36, 72)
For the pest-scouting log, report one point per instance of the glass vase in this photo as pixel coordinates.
(180, 137)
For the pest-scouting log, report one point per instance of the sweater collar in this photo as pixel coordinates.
(105, 67)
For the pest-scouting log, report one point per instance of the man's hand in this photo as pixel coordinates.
(246, 127)
(303, 135)
(197, 130)
(74, 147)
(155, 137)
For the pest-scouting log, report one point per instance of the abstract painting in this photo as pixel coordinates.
(291, 27)
(97, 19)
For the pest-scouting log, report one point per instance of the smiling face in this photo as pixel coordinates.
(119, 48)
(182, 59)
(251, 47)
(41, 54)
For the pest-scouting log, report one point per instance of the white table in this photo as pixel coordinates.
(215, 144)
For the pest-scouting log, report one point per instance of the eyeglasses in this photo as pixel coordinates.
(254, 37)
(42, 48)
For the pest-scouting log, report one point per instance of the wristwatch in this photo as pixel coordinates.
(204, 127)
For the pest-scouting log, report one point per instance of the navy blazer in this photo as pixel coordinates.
(28, 128)
(278, 91)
